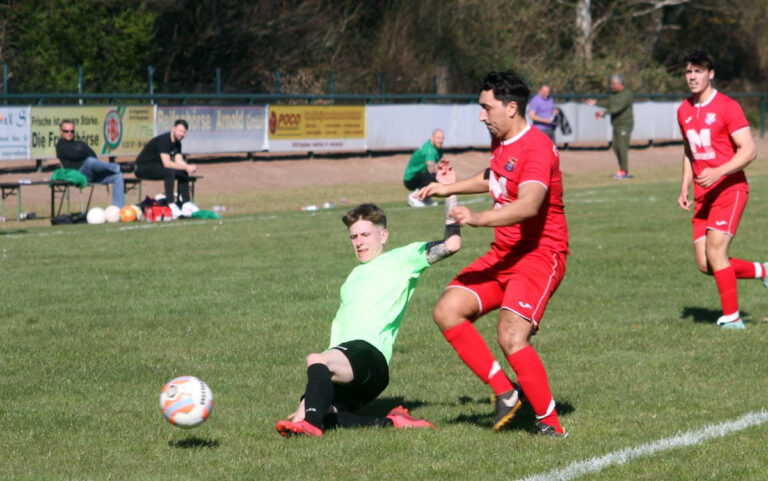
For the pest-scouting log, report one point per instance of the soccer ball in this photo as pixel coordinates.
(175, 210)
(96, 216)
(139, 213)
(186, 401)
(127, 214)
(188, 208)
(112, 214)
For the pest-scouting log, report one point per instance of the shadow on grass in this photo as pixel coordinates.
(704, 315)
(524, 420)
(381, 406)
(14, 232)
(194, 443)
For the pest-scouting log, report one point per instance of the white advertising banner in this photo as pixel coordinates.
(14, 133)
(409, 126)
(656, 121)
(217, 129)
(653, 121)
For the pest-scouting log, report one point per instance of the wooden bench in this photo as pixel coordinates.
(9, 189)
(61, 189)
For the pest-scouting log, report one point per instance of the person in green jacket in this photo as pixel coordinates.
(619, 107)
(422, 167)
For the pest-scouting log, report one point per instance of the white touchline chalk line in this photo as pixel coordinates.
(623, 456)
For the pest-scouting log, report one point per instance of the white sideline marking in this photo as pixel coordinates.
(690, 438)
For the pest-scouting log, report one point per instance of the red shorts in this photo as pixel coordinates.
(521, 283)
(721, 213)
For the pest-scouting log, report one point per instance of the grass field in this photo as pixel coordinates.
(95, 319)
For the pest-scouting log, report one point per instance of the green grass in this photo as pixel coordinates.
(95, 319)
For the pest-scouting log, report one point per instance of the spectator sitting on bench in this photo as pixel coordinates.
(161, 159)
(75, 154)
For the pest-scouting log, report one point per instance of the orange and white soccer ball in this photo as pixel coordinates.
(127, 214)
(186, 401)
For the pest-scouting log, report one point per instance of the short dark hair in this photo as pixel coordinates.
(508, 87)
(700, 58)
(369, 212)
(181, 122)
(65, 121)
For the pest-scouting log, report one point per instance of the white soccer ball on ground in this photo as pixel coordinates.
(188, 208)
(186, 401)
(96, 216)
(139, 213)
(112, 214)
(175, 211)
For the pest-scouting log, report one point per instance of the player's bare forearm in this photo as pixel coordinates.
(476, 184)
(745, 152)
(473, 185)
(531, 196)
(687, 176)
(685, 184)
(510, 214)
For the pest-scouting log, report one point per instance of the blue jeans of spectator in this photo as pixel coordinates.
(105, 173)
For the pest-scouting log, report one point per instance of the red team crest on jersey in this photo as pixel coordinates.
(711, 118)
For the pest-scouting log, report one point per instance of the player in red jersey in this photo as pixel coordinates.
(718, 146)
(526, 261)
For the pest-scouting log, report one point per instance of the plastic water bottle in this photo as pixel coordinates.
(311, 207)
(219, 208)
(328, 205)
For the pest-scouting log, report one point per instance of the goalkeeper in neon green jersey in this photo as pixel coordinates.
(354, 370)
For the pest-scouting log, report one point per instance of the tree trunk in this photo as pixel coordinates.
(584, 30)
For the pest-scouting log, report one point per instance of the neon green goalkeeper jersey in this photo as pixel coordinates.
(374, 297)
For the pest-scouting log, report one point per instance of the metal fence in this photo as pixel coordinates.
(754, 104)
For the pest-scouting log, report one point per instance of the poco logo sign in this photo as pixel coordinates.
(288, 120)
(283, 121)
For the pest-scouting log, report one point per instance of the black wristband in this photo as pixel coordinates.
(452, 229)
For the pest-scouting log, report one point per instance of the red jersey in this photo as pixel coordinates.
(529, 157)
(707, 128)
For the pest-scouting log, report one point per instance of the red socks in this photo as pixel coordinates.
(726, 285)
(472, 349)
(533, 381)
(747, 270)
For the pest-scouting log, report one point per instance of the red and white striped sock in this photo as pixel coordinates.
(472, 349)
(747, 270)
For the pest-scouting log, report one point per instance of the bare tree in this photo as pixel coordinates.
(588, 27)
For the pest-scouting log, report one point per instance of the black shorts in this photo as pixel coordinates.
(371, 376)
(419, 180)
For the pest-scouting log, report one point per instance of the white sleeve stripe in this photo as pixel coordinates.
(535, 181)
(739, 130)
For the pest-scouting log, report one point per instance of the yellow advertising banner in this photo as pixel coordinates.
(307, 127)
(109, 130)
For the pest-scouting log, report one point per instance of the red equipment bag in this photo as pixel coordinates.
(158, 213)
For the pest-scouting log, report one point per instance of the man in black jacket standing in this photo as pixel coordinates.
(75, 154)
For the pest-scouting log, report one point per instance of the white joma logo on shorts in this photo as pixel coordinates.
(720, 222)
(524, 305)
